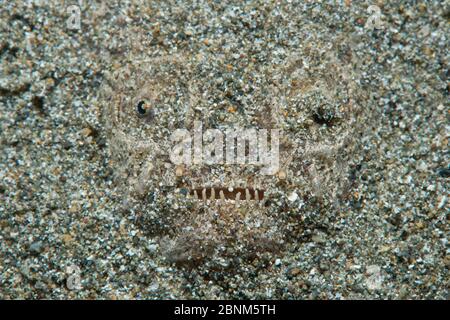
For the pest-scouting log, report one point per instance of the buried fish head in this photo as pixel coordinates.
(220, 163)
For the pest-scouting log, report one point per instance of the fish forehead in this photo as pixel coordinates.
(174, 79)
(219, 86)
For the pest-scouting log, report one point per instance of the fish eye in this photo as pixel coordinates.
(324, 115)
(145, 110)
(140, 108)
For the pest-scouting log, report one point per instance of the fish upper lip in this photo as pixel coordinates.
(222, 193)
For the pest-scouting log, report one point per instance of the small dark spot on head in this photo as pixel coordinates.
(444, 172)
(38, 103)
(13, 51)
(324, 116)
(93, 132)
(67, 145)
(101, 142)
(4, 46)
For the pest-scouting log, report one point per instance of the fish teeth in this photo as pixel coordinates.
(257, 183)
(179, 171)
(247, 194)
(209, 194)
(204, 194)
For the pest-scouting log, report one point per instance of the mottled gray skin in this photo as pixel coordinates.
(312, 96)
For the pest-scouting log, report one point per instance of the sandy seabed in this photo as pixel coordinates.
(66, 230)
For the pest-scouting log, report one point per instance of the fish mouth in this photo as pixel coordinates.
(230, 194)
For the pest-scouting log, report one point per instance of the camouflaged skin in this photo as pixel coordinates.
(313, 96)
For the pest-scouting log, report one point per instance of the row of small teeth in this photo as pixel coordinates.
(227, 194)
